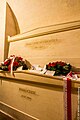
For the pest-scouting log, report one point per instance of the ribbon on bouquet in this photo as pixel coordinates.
(12, 61)
(67, 99)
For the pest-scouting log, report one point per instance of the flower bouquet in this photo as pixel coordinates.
(60, 68)
(14, 62)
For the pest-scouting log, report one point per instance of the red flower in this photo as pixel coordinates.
(9, 67)
(57, 63)
(61, 63)
(49, 64)
(7, 62)
(20, 58)
(53, 64)
(15, 63)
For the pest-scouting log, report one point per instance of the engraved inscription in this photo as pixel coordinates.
(26, 97)
(27, 91)
(42, 44)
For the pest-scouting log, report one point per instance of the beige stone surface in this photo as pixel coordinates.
(2, 28)
(41, 50)
(38, 13)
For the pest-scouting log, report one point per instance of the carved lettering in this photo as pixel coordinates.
(26, 97)
(28, 91)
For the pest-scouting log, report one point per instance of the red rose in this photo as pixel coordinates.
(7, 62)
(9, 67)
(53, 64)
(61, 63)
(15, 63)
(49, 64)
(20, 58)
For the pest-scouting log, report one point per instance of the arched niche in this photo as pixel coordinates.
(11, 29)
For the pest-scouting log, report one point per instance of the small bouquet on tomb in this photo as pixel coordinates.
(13, 63)
(59, 68)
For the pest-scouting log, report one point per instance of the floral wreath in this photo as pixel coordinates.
(13, 62)
(60, 68)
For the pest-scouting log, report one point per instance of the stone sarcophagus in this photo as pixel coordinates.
(29, 95)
